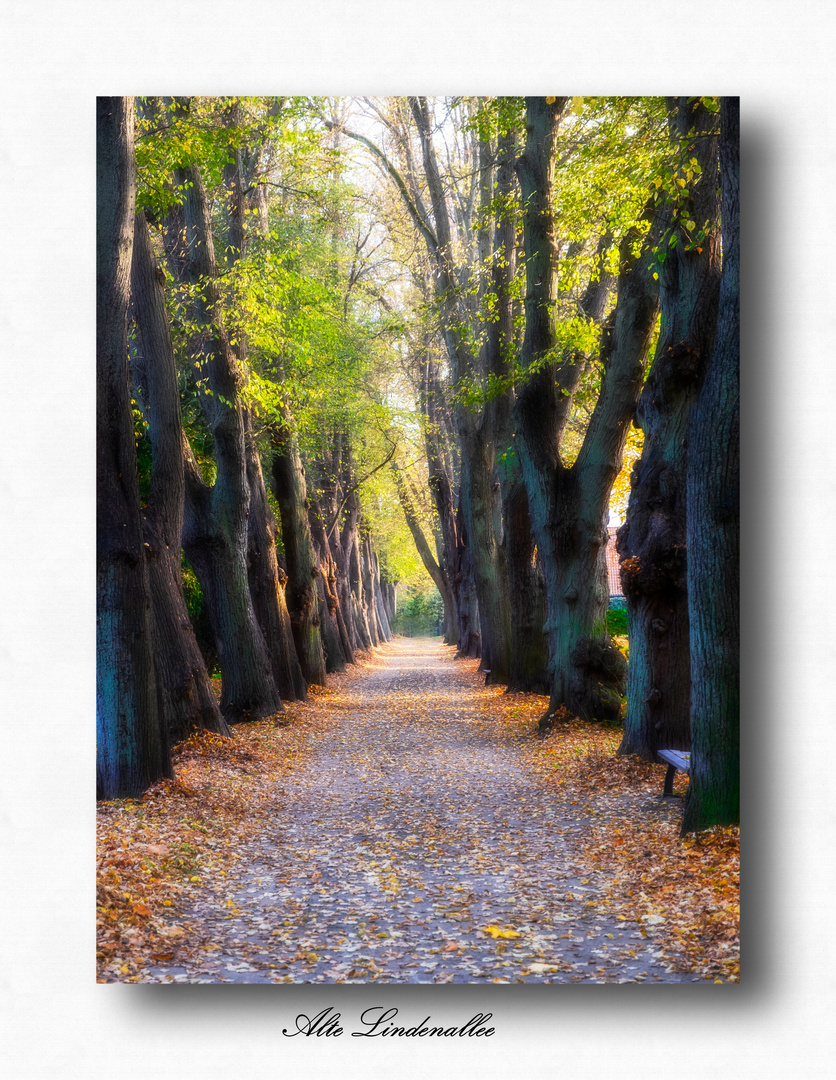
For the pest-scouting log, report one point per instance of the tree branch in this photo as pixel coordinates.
(354, 487)
(420, 221)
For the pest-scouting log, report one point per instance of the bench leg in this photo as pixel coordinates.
(669, 775)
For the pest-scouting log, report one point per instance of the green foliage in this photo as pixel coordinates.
(174, 133)
(617, 622)
(321, 297)
(199, 616)
(420, 615)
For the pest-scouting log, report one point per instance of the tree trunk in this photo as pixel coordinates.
(652, 543)
(526, 588)
(475, 438)
(367, 573)
(568, 506)
(184, 680)
(332, 633)
(266, 581)
(469, 634)
(324, 518)
(132, 750)
(439, 481)
(343, 540)
(430, 565)
(380, 605)
(215, 526)
(357, 598)
(713, 496)
(266, 584)
(488, 565)
(390, 599)
(302, 564)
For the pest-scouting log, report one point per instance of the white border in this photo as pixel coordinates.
(56, 57)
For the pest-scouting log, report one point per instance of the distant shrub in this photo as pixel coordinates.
(199, 615)
(617, 622)
(421, 615)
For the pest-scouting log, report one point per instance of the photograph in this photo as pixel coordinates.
(417, 545)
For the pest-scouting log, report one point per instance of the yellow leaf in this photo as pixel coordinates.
(495, 932)
(550, 100)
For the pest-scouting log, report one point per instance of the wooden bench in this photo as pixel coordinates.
(674, 759)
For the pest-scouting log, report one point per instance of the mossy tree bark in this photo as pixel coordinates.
(131, 747)
(267, 580)
(263, 571)
(652, 542)
(713, 533)
(302, 563)
(215, 525)
(184, 680)
(568, 505)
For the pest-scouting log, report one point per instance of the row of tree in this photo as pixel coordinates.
(176, 379)
(468, 329)
(579, 273)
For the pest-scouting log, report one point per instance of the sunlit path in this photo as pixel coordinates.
(412, 827)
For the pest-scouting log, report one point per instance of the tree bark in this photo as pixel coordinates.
(568, 506)
(431, 402)
(380, 605)
(367, 572)
(325, 527)
(343, 541)
(713, 498)
(267, 580)
(430, 565)
(302, 564)
(332, 638)
(652, 543)
(469, 634)
(264, 575)
(475, 438)
(132, 750)
(215, 526)
(184, 681)
(526, 588)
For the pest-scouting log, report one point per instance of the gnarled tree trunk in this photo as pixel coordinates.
(526, 588)
(713, 495)
(652, 544)
(131, 744)
(302, 563)
(263, 572)
(332, 634)
(215, 525)
(267, 580)
(184, 680)
(568, 505)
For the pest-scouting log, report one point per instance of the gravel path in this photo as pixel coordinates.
(417, 823)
